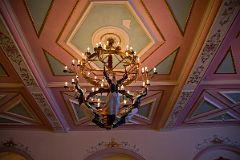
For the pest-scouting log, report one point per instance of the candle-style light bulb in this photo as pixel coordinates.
(101, 84)
(73, 81)
(65, 69)
(127, 54)
(73, 62)
(65, 84)
(125, 101)
(142, 69)
(88, 49)
(148, 82)
(138, 59)
(127, 47)
(98, 104)
(143, 84)
(88, 73)
(93, 89)
(122, 87)
(154, 70)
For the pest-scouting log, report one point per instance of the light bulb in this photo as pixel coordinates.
(65, 84)
(154, 70)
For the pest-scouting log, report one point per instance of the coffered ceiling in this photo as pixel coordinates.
(194, 45)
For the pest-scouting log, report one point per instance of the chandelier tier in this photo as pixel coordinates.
(109, 70)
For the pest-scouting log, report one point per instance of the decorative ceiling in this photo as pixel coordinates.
(194, 45)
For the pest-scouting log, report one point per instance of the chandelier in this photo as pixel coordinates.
(109, 70)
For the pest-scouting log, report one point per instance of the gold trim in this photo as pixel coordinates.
(187, 20)
(234, 67)
(38, 33)
(45, 52)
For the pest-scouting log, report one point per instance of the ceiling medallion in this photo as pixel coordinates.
(108, 104)
(115, 33)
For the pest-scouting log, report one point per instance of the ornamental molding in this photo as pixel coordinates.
(113, 144)
(225, 17)
(9, 144)
(12, 52)
(46, 108)
(216, 140)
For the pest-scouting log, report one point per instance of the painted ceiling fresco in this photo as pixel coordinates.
(194, 45)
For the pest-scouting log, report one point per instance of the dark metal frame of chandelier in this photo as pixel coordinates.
(103, 54)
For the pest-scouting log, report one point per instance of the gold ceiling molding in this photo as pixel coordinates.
(118, 34)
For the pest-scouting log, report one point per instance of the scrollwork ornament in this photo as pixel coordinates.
(16, 59)
(216, 140)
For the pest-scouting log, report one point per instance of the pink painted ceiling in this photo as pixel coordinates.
(198, 81)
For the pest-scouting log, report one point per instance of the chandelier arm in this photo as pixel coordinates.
(130, 80)
(101, 90)
(106, 76)
(123, 92)
(125, 76)
(137, 101)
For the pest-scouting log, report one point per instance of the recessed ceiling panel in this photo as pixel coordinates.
(227, 65)
(7, 121)
(181, 11)
(233, 96)
(2, 71)
(166, 65)
(38, 11)
(222, 117)
(20, 109)
(55, 65)
(79, 114)
(204, 107)
(145, 109)
(100, 15)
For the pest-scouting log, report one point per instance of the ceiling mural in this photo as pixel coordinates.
(193, 44)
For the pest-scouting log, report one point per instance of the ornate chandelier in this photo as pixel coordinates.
(108, 104)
